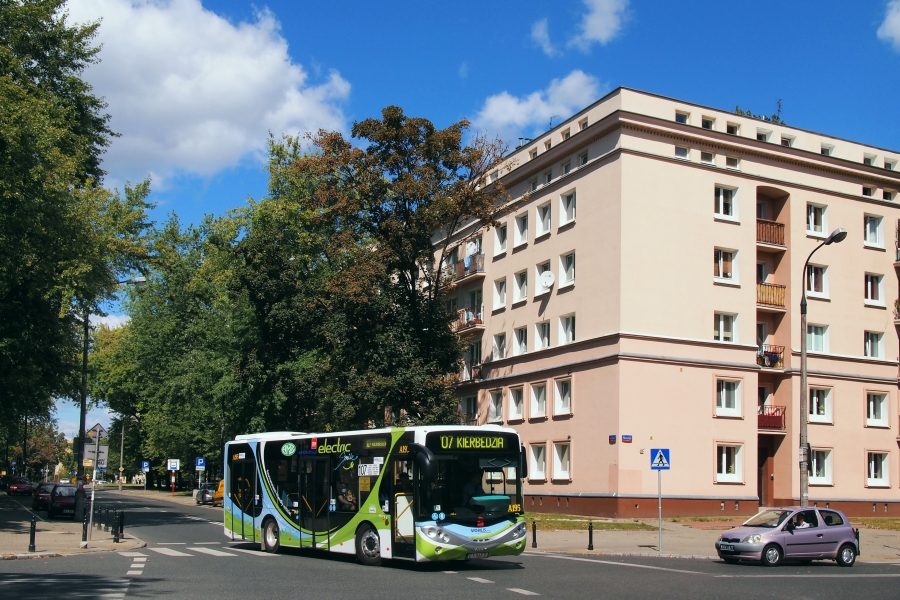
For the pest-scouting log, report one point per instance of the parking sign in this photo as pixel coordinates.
(201, 464)
(145, 466)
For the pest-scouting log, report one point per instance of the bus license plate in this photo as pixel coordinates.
(727, 547)
(477, 555)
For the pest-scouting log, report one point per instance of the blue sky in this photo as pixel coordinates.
(194, 87)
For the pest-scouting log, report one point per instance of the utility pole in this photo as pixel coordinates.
(25, 449)
(79, 443)
(121, 449)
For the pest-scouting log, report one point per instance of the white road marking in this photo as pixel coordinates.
(611, 562)
(205, 543)
(848, 576)
(171, 543)
(131, 554)
(170, 552)
(253, 552)
(134, 573)
(211, 551)
(450, 572)
(523, 592)
(479, 580)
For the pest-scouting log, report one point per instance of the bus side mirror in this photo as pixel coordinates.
(425, 461)
(523, 462)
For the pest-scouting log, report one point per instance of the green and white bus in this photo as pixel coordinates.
(416, 493)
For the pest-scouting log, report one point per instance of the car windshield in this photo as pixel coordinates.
(769, 519)
(45, 488)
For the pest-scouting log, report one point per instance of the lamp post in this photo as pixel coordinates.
(837, 236)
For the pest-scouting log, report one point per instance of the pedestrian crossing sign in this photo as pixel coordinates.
(659, 459)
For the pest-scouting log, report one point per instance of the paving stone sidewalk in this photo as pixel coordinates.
(58, 537)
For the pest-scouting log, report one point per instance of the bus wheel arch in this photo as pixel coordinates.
(368, 544)
(271, 536)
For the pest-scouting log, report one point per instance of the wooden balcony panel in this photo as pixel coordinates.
(770, 294)
(769, 232)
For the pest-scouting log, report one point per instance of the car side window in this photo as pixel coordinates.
(811, 517)
(831, 518)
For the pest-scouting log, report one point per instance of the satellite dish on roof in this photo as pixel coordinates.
(547, 279)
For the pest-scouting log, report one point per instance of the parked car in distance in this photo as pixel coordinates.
(219, 495)
(791, 533)
(41, 498)
(4, 481)
(62, 501)
(205, 492)
(20, 485)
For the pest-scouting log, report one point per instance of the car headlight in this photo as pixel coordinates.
(752, 539)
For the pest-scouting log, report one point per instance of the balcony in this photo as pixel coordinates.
(468, 320)
(770, 417)
(469, 372)
(468, 418)
(771, 357)
(770, 295)
(470, 267)
(770, 232)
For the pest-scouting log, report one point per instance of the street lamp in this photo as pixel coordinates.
(837, 236)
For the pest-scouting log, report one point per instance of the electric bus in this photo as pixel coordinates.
(416, 493)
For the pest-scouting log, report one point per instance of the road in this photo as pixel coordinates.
(187, 556)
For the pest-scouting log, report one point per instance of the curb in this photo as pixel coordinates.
(27, 555)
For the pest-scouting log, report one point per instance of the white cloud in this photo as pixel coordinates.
(193, 93)
(541, 37)
(111, 321)
(890, 27)
(509, 116)
(601, 23)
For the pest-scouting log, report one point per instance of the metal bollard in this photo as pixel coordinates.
(122, 524)
(97, 521)
(533, 533)
(116, 527)
(31, 540)
(84, 528)
(590, 535)
(106, 521)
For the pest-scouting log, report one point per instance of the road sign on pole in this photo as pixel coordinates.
(145, 466)
(174, 464)
(201, 464)
(659, 462)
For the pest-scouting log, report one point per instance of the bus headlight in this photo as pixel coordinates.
(436, 533)
(519, 531)
(431, 532)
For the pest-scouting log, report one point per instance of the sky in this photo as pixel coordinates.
(196, 88)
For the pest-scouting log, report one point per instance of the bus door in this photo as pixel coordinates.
(315, 501)
(402, 508)
(244, 490)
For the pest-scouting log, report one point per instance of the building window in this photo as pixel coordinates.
(516, 403)
(495, 409)
(468, 409)
(582, 124)
(561, 461)
(543, 220)
(787, 141)
(538, 461)
(728, 398)
(817, 338)
(547, 145)
(887, 195)
(707, 158)
(872, 235)
(817, 281)
(567, 167)
(500, 293)
(873, 292)
(877, 410)
(563, 402)
(521, 230)
(548, 177)
(566, 329)
(582, 160)
(474, 353)
(538, 400)
(725, 327)
(732, 162)
(567, 209)
(567, 269)
(819, 405)
(724, 265)
(762, 135)
(815, 219)
(827, 150)
(521, 341)
(543, 335)
(499, 346)
(501, 240)
(726, 205)
(682, 117)
(872, 348)
(521, 290)
(533, 153)
(566, 135)
(868, 191)
(890, 165)
(728, 463)
(534, 185)
(681, 152)
(879, 467)
(539, 287)
(707, 123)
(869, 160)
(820, 467)
(732, 129)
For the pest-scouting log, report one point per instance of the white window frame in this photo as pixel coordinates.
(533, 186)
(888, 195)
(521, 231)
(685, 117)
(500, 293)
(583, 124)
(878, 403)
(533, 153)
(810, 226)
(789, 139)
(567, 168)
(885, 479)
(820, 406)
(733, 163)
(719, 327)
(516, 403)
(874, 289)
(501, 239)
(826, 150)
(873, 344)
(682, 153)
(548, 177)
(543, 217)
(707, 158)
(719, 204)
(536, 411)
(538, 459)
(810, 330)
(870, 159)
(878, 241)
(562, 460)
(890, 165)
(582, 159)
(541, 342)
(722, 467)
(765, 133)
(723, 384)
(564, 271)
(737, 128)
(539, 290)
(868, 191)
(719, 264)
(811, 270)
(562, 405)
(520, 341)
(565, 135)
(499, 349)
(821, 457)
(564, 218)
(567, 330)
(520, 286)
(710, 120)
(495, 407)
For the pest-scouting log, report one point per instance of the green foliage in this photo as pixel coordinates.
(772, 119)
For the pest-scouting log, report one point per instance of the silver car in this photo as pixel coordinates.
(791, 533)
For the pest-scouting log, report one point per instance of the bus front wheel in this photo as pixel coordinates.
(368, 546)
(270, 537)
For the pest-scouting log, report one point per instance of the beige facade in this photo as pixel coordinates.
(688, 228)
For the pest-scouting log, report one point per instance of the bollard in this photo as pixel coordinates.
(31, 540)
(84, 529)
(590, 535)
(533, 533)
(97, 523)
(122, 524)
(106, 521)
(116, 527)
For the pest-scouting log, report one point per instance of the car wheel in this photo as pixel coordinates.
(772, 555)
(270, 539)
(846, 555)
(368, 546)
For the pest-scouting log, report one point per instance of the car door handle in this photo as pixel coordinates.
(818, 535)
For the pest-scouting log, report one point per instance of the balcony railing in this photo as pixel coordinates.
(470, 372)
(770, 356)
(770, 294)
(770, 417)
(470, 265)
(468, 418)
(467, 318)
(770, 232)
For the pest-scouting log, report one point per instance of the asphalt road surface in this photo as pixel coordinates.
(187, 556)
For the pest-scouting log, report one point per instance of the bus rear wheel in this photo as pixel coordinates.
(270, 537)
(368, 546)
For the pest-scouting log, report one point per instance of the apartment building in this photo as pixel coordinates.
(642, 291)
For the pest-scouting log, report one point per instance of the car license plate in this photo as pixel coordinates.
(729, 547)
(68, 510)
(477, 555)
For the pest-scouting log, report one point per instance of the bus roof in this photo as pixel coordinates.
(269, 435)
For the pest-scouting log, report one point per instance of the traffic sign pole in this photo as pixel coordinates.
(659, 461)
(659, 506)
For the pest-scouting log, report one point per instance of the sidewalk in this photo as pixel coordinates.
(685, 540)
(59, 537)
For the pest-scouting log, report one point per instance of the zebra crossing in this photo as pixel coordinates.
(139, 559)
